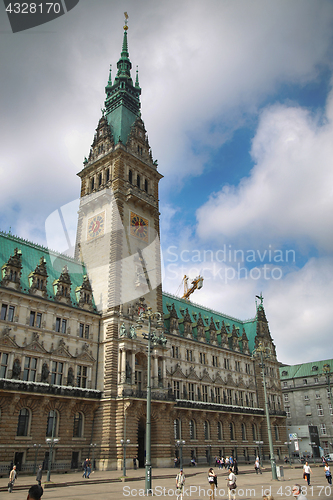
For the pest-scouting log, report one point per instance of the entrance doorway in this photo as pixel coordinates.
(141, 443)
(18, 460)
(75, 460)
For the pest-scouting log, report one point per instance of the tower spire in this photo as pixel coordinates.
(122, 102)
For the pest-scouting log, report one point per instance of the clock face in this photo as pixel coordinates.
(96, 226)
(139, 227)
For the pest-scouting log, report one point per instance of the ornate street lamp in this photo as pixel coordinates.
(36, 446)
(51, 442)
(209, 451)
(124, 443)
(180, 443)
(261, 352)
(93, 446)
(149, 315)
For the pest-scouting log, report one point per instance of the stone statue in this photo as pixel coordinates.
(70, 376)
(132, 332)
(16, 369)
(45, 372)
(122, 331)
(128, 372)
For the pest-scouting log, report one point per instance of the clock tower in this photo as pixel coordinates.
(118, 242)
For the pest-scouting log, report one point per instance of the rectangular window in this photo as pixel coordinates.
(189, 355)
(330, 408)
(307, 410)
(57, 325)
(323, 429)
(32, 318)
(3, 364)
(226, 363)
(176, 390)
(251, 399)
(229, 397)
(316, 380)
(7, 312)
(320, 410)
(202, 358)
(35, 319)
(57, 373)
(191, 392)
(86, 332)
(305, 381)
(205, 393)
(81, 330)
(81, 380)
(306, 397)
(237, 366)
(317, 395)
(30, 368)
(286, 398)
(287, 408)
(241, 398)
(218, 395)
(214, 360)
(285, 384)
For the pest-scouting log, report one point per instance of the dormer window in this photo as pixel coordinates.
(38, 279)
(11, 271)
(62, 286)
(84, 294)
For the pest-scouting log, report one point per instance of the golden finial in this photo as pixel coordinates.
(126, 17)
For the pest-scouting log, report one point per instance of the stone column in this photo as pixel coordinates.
(133, 367)
(164, 372)
(123, 367)
(155, 371)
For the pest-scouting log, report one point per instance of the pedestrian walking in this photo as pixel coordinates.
(212, 481)
(235, 466)
(180, 483)
(35, 492)
(134, 463)
(328, 474)
(88, 468)
(232, 484)
(297, 492)
(85, 468)
(306, 472)
(39, 475)
(257, 466)
(12, 478)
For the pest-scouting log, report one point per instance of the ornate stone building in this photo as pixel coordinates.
(206, 389)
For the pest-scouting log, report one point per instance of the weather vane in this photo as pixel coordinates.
(126, 17)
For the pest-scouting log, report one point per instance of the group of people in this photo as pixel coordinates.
(86, 468)
(227, 462)
(35, 492)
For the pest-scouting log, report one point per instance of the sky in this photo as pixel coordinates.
(237, 101)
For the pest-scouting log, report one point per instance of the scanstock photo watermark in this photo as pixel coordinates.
(241, 492)
(228, 263)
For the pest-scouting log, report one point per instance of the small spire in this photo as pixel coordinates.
(137, 78)
(110, 79)
(126, 17)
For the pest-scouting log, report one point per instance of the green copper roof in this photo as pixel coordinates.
(31, 255)
(181, 305)
(303, 370)
(122, 102)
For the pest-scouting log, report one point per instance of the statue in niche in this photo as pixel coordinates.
(160, 379)
(128, 372)
(16, 369)
(70, 376)
(132, 332)
(45, 372)
(122, 331)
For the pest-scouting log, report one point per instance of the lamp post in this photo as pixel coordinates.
(288, 443)
(262, 353)
(259, 443)
(36, 447)
(209, 448)
(93, 446)
(180, 443)
(149, 315)
(124, 443)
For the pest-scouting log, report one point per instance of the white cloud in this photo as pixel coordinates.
(289, 194)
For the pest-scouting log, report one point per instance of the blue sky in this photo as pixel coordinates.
(238, 105)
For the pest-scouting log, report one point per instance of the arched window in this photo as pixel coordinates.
(130, 176)
(276, 429)
(177, 428)
(232, 431)
(146, 185)
(206, 430)
(52, 424)
(243, 432)
(254, 432)
(23, 422)
(78, 425)
(138, 181)
(219, 431)
(192, 429)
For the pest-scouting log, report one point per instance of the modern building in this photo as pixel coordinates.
(307, 400)
(73, 360)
